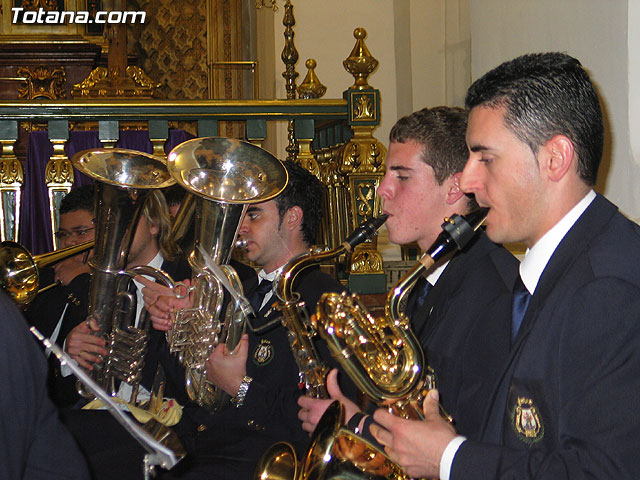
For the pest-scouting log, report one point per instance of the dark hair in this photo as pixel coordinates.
(174, 195)
(546, 94)
(441, 132)
(305, 191)
(80, 198)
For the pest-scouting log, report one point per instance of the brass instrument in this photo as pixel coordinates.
(334, 453)
(312, 370)
(383, 358)
(225, 175)
(20, 271)
(122, 180)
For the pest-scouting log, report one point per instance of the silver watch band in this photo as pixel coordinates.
(238, 400)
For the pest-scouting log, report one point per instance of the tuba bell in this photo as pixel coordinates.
(20, 271)
(123, 178)
(224, 176)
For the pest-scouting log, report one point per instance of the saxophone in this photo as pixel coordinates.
(383, 358)
(312, 370)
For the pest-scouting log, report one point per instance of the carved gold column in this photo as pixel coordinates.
(290, 58)
(362, 162)
(11, 181)
(58, 174)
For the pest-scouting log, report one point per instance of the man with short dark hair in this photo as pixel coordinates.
(56, 311)
(261, 374)
(561, 409)
(455, 309)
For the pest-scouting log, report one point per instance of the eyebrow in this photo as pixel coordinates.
(254, 208)
(478, 148)
(400, 168)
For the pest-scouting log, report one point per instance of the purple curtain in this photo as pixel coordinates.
(35, 228)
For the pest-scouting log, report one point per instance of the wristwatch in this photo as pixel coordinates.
(238, 400)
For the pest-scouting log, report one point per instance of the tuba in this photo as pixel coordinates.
(225, 176)
(383, 358)
(20, 271)
(123, 178)
(312, 370)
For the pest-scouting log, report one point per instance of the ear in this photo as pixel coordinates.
(454, 193)
(559, 156)
(293, 218)
(154, 228)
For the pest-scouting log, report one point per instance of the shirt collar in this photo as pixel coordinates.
(271, 276)
(537, 257)
(433, 277)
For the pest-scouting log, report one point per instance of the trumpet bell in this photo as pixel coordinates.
(20, 271)
(123, 168)
(227, 170)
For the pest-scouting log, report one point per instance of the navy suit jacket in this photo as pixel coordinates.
(229, 444)
(565, 405)
(464, 329)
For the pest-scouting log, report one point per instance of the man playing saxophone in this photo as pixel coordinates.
(564, 406)
(457, 310)
(261, 374)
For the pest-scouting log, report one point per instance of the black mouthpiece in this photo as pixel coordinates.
(462, 228)
(366, 230)
(457, 231)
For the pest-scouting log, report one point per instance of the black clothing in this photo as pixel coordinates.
(33, 442)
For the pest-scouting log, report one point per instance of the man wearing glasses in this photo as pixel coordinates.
(56, 311)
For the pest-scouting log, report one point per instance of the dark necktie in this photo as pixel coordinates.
(521, 298)
(256, 298)
(418, 298)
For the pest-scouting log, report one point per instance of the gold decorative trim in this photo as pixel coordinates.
(103, 82)
(311, 87)
(11, 182)
(360, 63)
(42, 82)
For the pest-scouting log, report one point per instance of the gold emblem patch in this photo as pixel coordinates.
(526, 420)
(263, 354)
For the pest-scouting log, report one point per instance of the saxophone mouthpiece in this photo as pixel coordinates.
(461, 229)
(366, 230)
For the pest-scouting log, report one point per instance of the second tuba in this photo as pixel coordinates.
(224, 175)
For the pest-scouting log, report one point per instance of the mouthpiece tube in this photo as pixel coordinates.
(365, 231)
(457, 231)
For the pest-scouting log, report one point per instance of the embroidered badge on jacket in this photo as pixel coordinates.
(526, 421)
(263, 354)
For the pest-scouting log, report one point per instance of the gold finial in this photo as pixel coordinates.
(360, 63)
(311, 87)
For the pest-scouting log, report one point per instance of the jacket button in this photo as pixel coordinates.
(201, 428)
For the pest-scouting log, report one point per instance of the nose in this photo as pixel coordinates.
(384, 189)
(471, 178)
(244, 226)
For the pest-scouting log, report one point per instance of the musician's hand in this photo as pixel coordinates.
(311, 409)
(417, 446)
(225, 368)
(83, 346)
(161, 303)
(67, 270)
